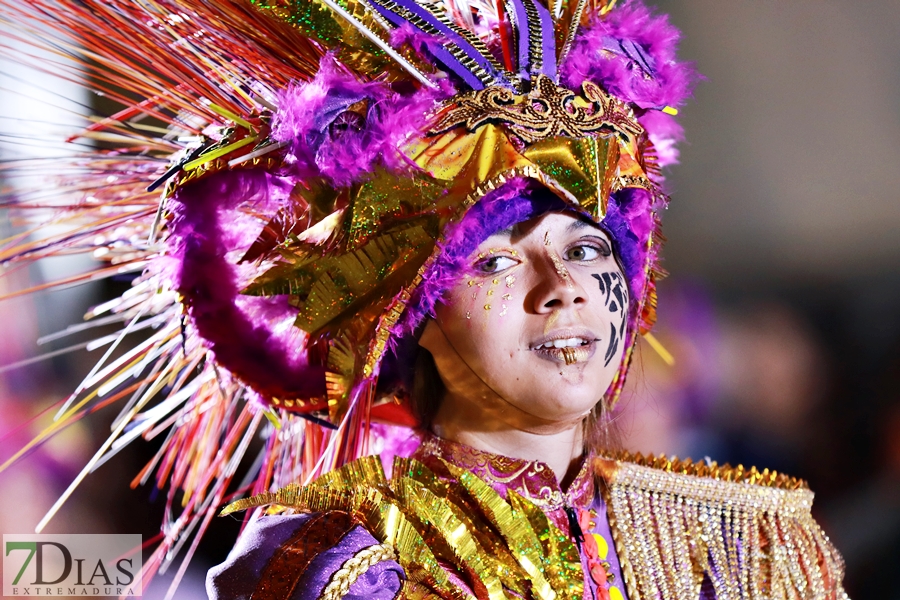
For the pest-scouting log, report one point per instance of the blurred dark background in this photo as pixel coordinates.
(782, 309)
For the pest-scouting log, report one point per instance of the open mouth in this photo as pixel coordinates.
(567, 350)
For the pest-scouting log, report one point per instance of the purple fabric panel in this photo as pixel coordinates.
(524, 36)
(236, 578)
(380, 581)
(548, 41)
(603, 528)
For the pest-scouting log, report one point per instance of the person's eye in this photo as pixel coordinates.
(587, 252)
(494, 264)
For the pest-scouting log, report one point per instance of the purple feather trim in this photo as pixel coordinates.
(664, 133)
(254, 338)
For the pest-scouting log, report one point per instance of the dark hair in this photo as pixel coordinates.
(427, 389)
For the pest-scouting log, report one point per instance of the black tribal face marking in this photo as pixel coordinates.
(615, 299)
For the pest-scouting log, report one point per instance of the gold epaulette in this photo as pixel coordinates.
(680, 525)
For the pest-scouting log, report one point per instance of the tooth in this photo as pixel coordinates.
(559, 343)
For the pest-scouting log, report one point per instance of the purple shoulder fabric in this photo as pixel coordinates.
(294, 557)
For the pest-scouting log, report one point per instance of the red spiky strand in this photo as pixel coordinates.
(176, 69)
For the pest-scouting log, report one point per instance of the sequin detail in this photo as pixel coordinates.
(287, 566)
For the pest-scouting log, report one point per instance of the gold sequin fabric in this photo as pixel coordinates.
(750, 534)
(454, 535)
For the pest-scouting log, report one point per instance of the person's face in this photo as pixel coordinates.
(537, 331)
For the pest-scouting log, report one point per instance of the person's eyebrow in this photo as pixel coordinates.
(504, 232)
(581, 224)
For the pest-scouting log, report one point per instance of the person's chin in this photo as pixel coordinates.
(555, 407)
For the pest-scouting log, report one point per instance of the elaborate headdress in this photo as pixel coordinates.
(325, 167)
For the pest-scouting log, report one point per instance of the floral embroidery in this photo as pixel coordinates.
(534, 480)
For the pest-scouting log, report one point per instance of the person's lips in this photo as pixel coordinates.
(566, 345)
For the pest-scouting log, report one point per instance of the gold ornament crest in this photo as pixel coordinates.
(548, 110)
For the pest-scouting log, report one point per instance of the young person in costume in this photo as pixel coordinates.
(443, 215)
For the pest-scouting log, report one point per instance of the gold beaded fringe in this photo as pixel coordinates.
(750, 536)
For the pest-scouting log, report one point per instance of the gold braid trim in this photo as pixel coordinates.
(353, 567)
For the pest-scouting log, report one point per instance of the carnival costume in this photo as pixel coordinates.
(325, 170)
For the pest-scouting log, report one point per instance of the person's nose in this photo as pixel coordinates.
(555, 288)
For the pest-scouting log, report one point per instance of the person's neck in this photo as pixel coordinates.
(560, 446)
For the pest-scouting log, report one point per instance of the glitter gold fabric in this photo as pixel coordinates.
(434, 524)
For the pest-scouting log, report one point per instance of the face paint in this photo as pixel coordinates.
(615, 299)
(561, 269)
(551, 321)
(613, 344)
(558, 264)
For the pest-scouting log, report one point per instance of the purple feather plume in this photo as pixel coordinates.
(324, 141)
(631, 52)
